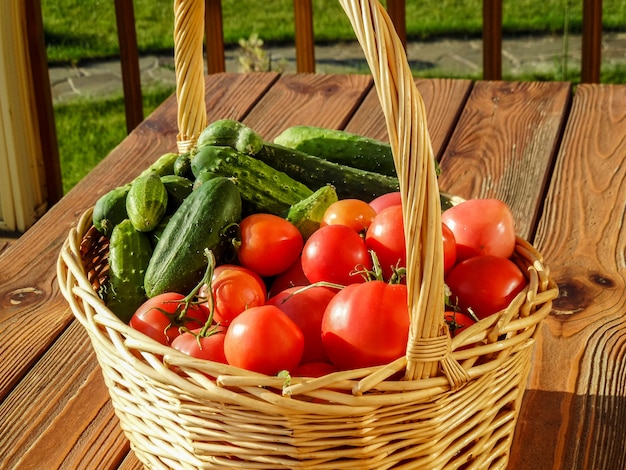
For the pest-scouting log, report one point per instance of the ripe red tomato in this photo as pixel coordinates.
(306, 309)
(293, 276)
(234, 290)
(333, 254)
(265, 340)
(386, 200)
(354, 213)
(484, 284)
(481, 227)
(161, 317)
(386, 238)
(457, 322)
(449, 248)
(366, 325)
(269, 244)
(209, 347)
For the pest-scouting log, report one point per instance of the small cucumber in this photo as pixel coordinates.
(307, 214)
(262, 188)
(164, 165)
(146, 202)
(316, 172)
(341, 147)
(178, 261)
(178, 188)
(232, 134)
(129, 254)
(110, 210)
(182, 166)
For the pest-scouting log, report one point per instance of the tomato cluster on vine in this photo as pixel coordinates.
(338, 299)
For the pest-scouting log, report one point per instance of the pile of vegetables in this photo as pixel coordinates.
(288, 255)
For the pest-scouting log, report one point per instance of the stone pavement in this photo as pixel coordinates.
(446, 57)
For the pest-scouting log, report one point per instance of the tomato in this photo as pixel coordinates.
(334, 253)
(306, 308)
(354, 213)
(269, 244)
(449, 248)
(234, 290)
(481, 227)
(210, 347)
(161, 317)
(484, 284)
(293, 276)
(264, 340)
(457, 321)
(386, 200)
(366, 325)
(314, 369)
(386, 238)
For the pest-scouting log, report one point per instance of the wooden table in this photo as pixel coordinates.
(558, 158)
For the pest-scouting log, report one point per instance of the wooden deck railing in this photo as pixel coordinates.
(305, 57)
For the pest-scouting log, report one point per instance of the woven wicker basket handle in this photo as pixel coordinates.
(189, 63)
(428, 347)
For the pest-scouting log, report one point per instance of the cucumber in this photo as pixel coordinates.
(316, 172)
(129, 254)
(164, 165)
(178, 188)
(307, 214)
(262, 188)
(182, 166)
(110, 210)
(341, 147)
(232, 134)
(178, 262)
(146, 202)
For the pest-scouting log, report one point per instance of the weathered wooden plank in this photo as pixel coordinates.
(308, 99)
(574, 412)
(504, 145)
(443, 99)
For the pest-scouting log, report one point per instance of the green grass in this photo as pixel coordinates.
(80, 30)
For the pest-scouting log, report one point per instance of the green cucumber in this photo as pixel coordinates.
(146, 202)
(232, 134)
(341, 147)
(164, 165)
(129, 254)
(182, 166)
(110, 210)
(178, 262)
(316, 172)
(307, 214)
(262, 188)
(178, 188)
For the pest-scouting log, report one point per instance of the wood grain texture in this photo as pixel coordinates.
(580, 362)
(504, 145)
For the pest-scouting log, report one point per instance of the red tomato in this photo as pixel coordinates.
(269, 244)
(209, 347)
(449, 248)
(481, 227)
(386, 238)
(264, 340)
(366, 325)
(484, 284)
(314, 369)
(458, 321)
(386, 200)
(293, 276)
(234, 290)
(223, 267)
(161, 317)
(333, 254)
(354, 213)
(306, 309)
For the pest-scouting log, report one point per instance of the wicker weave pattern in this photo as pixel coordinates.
(448, 403)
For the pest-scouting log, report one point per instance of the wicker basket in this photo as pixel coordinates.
(459, 399)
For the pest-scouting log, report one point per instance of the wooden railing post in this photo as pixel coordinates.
(591, 59)
(492, 39)
(129, 58)
(305, 42)
(214, 36)
(397, 13)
